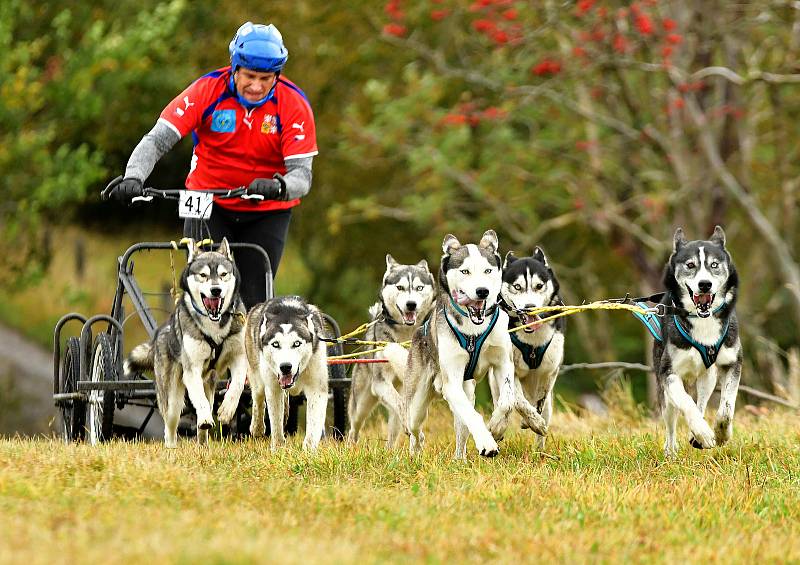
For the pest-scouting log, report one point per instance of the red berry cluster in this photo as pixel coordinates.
(396, 27)
(497, 21)
(469, 113)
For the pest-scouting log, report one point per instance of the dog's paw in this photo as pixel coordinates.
(257, 431)
(498, 428)
(723, 430)
(227, 411)
(205, 422)
(702, 436)
(487, 447)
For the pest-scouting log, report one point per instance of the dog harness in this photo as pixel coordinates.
(472, 344)
(707, 352)
(533, 355)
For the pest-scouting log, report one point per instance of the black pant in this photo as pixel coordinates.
(265, 229)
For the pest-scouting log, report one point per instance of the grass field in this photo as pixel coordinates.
(602, 492)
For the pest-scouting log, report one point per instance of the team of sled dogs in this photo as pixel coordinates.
(471, 322)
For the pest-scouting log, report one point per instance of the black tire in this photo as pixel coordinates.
(339, 411)
(100, 404)
(73, 412)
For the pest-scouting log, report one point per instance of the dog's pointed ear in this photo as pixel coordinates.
(424, 265)
(390, 262)
(190, 247)
(450, 244)
(310, 321)
(538, 254)
(225, 249)
(718, 237)
(679, 240)
(510, 258)
(262, 329)
(489, 241)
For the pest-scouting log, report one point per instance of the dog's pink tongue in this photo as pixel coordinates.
(212, 303)
(703, 298)
(285, 380)
(410, 317)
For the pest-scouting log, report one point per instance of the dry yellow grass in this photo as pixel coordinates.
(601, 493)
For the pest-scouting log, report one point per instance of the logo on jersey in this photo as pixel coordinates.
(223, 121)
(301, 135)
(182, 111)
(270, 124)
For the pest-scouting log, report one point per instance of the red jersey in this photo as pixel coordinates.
(234, 145)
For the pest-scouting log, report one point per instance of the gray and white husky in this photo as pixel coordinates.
(529, 282)
(406, 298)
(285, 355)
(700, 342)
(465, 337)
(202, 338)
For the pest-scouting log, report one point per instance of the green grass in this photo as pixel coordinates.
(602, 493)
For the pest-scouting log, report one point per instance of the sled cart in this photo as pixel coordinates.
(92, 394)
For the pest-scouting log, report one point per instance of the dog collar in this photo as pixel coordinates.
(386, 316)
(707, 352)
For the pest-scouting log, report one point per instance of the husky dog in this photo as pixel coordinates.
(465, 336)
(529, 282)
(285, 354)
(202, 338)
(700, 342)
(406, 297)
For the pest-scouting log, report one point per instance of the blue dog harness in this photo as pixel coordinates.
(533, 355)
(707, 352)
(472, 344)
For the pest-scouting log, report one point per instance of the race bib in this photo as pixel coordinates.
(194, 204)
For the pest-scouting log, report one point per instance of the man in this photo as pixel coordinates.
(251, 127)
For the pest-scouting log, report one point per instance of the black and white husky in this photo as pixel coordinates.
(465, 336)
(285, 355)
(529, 282)
(700, 341)
(406, 298)
(202, 338)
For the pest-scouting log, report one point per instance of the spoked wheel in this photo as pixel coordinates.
(73, 412)
(100, 407)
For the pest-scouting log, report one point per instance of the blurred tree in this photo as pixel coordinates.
(594, 129)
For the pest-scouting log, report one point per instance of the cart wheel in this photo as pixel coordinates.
(100, 407)
(73, 412)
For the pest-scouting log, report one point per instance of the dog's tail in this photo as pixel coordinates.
(142, 358)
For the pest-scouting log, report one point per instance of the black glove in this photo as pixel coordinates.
(123, 189)
(270, 189)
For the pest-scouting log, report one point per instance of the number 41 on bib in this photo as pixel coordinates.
(195, 204)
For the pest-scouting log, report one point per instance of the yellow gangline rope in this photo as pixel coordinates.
(561, 312)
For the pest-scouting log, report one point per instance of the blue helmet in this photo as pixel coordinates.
(258, 47)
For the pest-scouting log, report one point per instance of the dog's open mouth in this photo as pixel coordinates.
(213, 306)
(287, 380)
(410, 317)
(703, 302)
(526, 319)
(475, 308)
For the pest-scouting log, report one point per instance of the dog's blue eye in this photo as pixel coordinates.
(517, 287)
(275, 344)
(487, 271)
(464, 271)
(714, 265)
(296, 344)
(419, 289)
